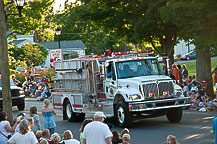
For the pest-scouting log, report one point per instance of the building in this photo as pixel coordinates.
(183, 48)
(67, 48)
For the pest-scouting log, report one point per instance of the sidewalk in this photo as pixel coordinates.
(31, 99)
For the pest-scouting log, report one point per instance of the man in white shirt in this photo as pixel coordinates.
(97, 132)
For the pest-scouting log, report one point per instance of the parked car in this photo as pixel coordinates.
(188, 56)
(17, 95)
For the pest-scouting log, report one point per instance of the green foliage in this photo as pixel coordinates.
(70, 55)
(33, 54)
(128, 21)
(97, 41)
(12, 61)
(34, 17)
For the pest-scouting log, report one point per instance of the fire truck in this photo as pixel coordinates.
(127, 86)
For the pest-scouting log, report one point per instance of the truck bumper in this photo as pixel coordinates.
(159, 104)
(16, 100)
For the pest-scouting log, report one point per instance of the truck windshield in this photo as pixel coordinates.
(135, 68)
(11, 83)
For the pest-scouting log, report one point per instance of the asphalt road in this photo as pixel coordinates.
(195, 127)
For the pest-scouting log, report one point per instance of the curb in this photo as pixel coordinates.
(31, 99)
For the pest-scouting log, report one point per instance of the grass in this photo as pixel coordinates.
(191, 66)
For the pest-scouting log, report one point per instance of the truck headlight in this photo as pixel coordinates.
(21, 92)
(178, 92)
(133, 96)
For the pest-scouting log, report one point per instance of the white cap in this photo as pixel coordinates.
(99, 114)
(126, 136)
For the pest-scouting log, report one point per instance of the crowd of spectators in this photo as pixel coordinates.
(35, 86)
(196, 90)
(29, 131)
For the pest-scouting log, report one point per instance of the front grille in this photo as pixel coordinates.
(150, 88)
(158, 88)
(165, 87)
(14, 93)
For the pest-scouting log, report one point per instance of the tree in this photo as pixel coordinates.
(33, 54)
(138, 21)
(197, 20)
(96, 40)
(34, 18)
(13, 62)
(6, 94)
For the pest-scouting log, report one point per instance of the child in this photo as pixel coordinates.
(42, 97)
(193, 99)
(185, 89)
(215, 78)
(171, 140)
(48, 118)
(126, 138)
(194, 87)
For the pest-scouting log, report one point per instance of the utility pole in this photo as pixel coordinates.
(4, 67)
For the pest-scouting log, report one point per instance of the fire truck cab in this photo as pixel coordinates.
(126, 86)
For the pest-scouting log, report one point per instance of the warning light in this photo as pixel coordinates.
(129, 107)
(52, 60)
(151, 94)
(99, 105)
(61, 95)
(165, 93)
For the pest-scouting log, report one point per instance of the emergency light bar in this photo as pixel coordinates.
(134, 52)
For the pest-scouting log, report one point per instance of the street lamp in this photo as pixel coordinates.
(58, 32)
(19, 4)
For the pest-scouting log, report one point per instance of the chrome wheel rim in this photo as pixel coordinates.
(68, 110)
(121, 115)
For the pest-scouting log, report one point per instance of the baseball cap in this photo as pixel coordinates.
(99, 114)
(126, 136)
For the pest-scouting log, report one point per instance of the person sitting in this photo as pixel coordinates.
(185, 89)
(193, 100)
(109, 75)
(128, 71)
(194, 86)
(141, 70)
(42, 97)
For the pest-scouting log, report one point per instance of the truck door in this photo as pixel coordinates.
(110, 80)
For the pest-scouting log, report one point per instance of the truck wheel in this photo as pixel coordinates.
(174, 115)
(68, 114)
(122, 115)
(21, 107)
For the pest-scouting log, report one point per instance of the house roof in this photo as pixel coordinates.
(73, 44)
(16, 42)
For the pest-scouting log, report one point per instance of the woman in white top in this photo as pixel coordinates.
(68, 138)
(24, 136)
(5, 128)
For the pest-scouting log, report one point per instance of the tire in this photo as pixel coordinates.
(122, 115)
(68, 114)
(21, 107)
(174, 115)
